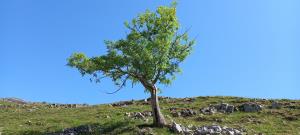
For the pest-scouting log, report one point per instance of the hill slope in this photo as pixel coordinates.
(133, 117)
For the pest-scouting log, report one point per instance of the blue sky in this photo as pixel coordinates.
(246, 48)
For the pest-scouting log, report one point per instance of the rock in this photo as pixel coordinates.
(85, 129)
(224, 108)
(202, 131)
(146, 131)
(66, 105)
(230, 109)
(183, 112)
(189, 100)
(187, 112)
(176, 114)
(127, 114)
(139, 115)
(208, 110)
(216, 130)
(229, 132)
(275, 105)
(186, 130)
(122, 103)
(30, 110)
(173, 109)
(176, 128)
(250, 107)
(147, 113)
(28, 122)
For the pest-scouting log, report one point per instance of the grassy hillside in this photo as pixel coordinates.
(41, 118)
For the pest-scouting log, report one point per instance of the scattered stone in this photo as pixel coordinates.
(75, 131)
(173, 109)
(122, 103)
(146, 131)
(208, 110)
(182, 112)
(275, 105)
(139, 115)
(147, 113)
(225, 108)
(204, 130)
(187, 112)
(176, 128)
(186, 130)
(250, 107)
(128, 114)
(30, 110)
(175, 114)
(189, 100)
(28, 122)
(216, 129)
(66, 105)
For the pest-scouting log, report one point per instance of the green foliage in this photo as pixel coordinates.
(150, 53)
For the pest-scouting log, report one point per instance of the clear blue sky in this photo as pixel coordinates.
(248, 48)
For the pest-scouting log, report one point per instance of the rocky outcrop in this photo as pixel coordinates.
(183, 112)
(250, 107)
(225, 108)
(139, 115)
(275, 105)
(122, 103)
(204, 130)
(217, 130)
(222, 108)
(66, 105)
(176, 128)
(146, 131)
(208, 110)
(85, 129)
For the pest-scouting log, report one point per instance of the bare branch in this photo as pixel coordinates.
(121, 86)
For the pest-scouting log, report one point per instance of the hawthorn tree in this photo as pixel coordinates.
(150, 55)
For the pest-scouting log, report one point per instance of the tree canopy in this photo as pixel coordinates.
(149, 54)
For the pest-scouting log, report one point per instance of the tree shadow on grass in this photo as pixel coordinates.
(145, 126)
(90, 129)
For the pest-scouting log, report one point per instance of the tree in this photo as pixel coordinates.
(150, 55)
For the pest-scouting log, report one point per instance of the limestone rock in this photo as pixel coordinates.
(225, 108)
(208, 110)
(176, 128)
(250, 107)
(146, 131)
(275, 105)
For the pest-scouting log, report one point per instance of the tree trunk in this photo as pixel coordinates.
(158, 118)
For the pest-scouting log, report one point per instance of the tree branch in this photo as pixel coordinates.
(121, 86)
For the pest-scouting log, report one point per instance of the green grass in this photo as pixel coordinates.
(105, 119)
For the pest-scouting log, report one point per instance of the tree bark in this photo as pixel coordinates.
(158, 118)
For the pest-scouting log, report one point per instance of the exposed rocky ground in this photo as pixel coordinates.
(189, 116)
